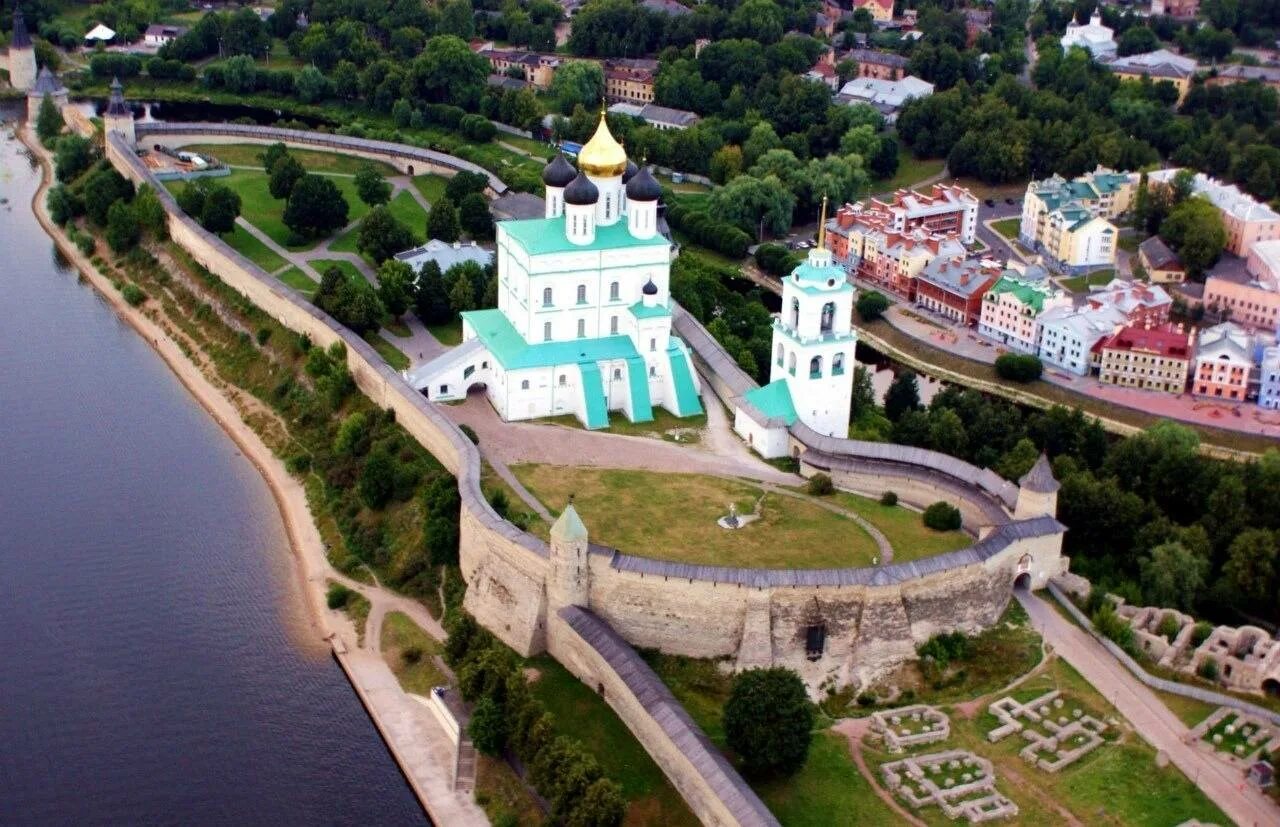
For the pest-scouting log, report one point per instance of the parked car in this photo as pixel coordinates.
(1010, 201)
(990, 202)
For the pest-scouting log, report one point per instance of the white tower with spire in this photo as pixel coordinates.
(814, 340)
(22, 54)
(119, 117)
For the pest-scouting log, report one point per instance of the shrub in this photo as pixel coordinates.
(1208, 669)
(1201, 633)
(944, 648)
(820, 485)
(871, 305)
(776, 260)
(1113, 627)
(133, 294)
(1019, 367)
(768, 721)
(942, 516)
(488, 727)
(721, 236)
(339, 596)
(1168, 628)
(263, 335)
(866, 699)
(478, 128)
(889, 499)
(412, 655)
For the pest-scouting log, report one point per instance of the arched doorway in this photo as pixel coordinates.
(1271, 686)
(409, 167)
(1022, 583)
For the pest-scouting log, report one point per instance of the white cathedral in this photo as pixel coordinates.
(583, 323)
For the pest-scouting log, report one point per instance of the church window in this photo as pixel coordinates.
(791, 364)
(546, 297)
(444, 388)
(613, 325)
(815, 640)
(828, 316)
(613, 291)
(780, 354)
(582, 294)
(524, 384)
(653, 372)
(608, 206)
(837, 365)
(564, 380)
(795, 313)
(653, 345)
(815, 367)
(617, 373)
(546, 331)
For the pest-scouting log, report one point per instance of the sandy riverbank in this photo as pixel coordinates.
(415, 741)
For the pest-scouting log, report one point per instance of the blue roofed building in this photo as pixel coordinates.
(583, 322)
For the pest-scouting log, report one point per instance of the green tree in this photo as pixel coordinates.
(1018, 460)
(726, 164)
(768, 721)
(272, 155)
(285, 173)
(352, 301)
(762, 139)
(221, 206)
(49, 121)
(871, 305)
(488, 726)
(465, 183)
(431, 299)
(1195, 230)
(754, 204)
(381, 235)
(462, 296)
(315, 207)
(103, 188)
(903, 395)
(1018, 367)
(474, 216)
(942, 516)
(442, 221)
(448, 71)
(371, 186)
(1173, 576)
(73, 156)
(311, 86)
(63, 204)
(123, 230)
(395, 286)
(864, 394)
(150, 212)
(377, 478)
(1252, 564)
(577, 83)
(602, 805)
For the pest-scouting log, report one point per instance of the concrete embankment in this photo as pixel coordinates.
(416, 741)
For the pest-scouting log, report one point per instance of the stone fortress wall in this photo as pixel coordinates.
(870, 619)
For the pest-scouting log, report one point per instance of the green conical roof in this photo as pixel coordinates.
(569, 527)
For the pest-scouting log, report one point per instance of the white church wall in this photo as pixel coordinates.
(768, 442)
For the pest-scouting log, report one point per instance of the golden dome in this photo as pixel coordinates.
(602, 156)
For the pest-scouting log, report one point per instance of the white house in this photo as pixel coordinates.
(445, 255)
(583, 323)
(1067, 335)
(886, 95)
(160, 34)
(1011, 310)
(811, 378)
(1098, 39)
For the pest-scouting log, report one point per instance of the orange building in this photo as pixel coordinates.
(1147, 358)
(1224, 363)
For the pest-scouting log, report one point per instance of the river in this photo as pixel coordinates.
(160, 663)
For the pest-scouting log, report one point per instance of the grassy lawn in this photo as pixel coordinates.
(663, 421)
(673, 517)
(1189, 710)
(411, 654)
(542, 150)
(314, 160)
(1081, 284)
(1007, 227)
(407, 211)
(322, 264)
(910, 170)
(251, 248)
(503, 796)
(1128, 243)
(905, 528)
(431, 186)
(828, 790)
(448, 334)
(300, 281)
(264, 212)
(393, 355)
(357, 608)
(582, 715)
(397, 328)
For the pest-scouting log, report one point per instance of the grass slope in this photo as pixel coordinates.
(251, 248)
(300, 281)
(249, 155)
(406, 210)
(411, 654)
(910, 537)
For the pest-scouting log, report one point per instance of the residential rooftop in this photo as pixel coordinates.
(1227, 197)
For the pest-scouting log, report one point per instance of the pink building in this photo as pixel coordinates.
(1224, 363)
(1246, 220)
(1253, 304)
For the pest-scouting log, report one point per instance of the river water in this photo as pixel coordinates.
(159, 662)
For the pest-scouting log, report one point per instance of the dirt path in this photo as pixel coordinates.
(853, 729)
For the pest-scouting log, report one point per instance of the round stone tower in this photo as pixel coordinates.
(570, 582)
(22, 54)
(1037, 492)
(119, 117)
(47, 85)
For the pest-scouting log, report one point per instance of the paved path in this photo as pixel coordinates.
(519, 442)
(1149, 716)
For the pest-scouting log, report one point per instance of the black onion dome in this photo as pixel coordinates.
(581, 191)
(559, 172)
(630, 171)
(649, 289)
(643, 187)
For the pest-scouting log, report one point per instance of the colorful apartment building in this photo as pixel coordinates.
(1246, 220)
(1269, 379)
(1146, 358)
(945, 209)
(1011, 310)
(629, 80)
(867, 245)
(1254, 302)
(1070, 221)
(535, 69)
(1162, 264)
(954, 287)
(1160, 65)
(1068, 335)
(873, 63)
(1224, 366)
(1138, 303)
(1227, 75)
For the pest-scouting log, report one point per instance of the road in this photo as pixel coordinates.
(1150, 717)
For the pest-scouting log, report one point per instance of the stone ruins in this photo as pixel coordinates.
(962, 784)
(1055, 737)
(911, 726)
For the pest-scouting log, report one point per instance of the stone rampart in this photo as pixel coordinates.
(408, 159)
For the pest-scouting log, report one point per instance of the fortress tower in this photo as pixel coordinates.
(813, 341)
(22, 54)
(47, 85)
(119, 117)
(569, 583)
(1037, 492)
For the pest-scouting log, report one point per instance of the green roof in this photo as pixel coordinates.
(820, 275)
(641, 312)
(774, 401)
(1026, 293)
(514, 353)
(1110, 181)
(539, 236)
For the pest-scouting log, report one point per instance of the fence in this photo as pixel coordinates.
(1194, 692)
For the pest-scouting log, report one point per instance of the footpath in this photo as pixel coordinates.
(416, 741)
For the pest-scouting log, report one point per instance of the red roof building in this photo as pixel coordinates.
(1153, 358)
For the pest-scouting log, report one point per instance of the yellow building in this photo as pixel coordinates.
(1160, 65)
(1070, 221)
(881, 10)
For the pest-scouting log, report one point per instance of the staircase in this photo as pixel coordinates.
(464, 774)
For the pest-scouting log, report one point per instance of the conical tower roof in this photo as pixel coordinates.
(21, 39)
(117, 106)
(1040, 478)
(568, 528)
